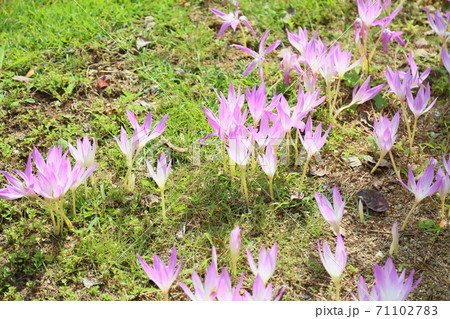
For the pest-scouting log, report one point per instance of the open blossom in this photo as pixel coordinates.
(342, 60)
(332, 214)
(163, 276)
(232, 20)
(445, 59)
(417, 78)
(142, 132)
(289, 63)
(267, 262)
(424, 186)
(240, 146)
(389, 35)
(399, 83)
(369, 11)
(162, 170)
(259, 57)
(334, 263)
(128, 146)
(18, 189)
(419, 104)
(225, 291)
(439, 24)
(208, 290)
(84, 153)
(389, 286)
(365, 92)
(385, 132)
(300, 40)
(313, 141)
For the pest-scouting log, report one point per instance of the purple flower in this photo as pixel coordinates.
(127, 146)
(389, 35)
(313, 141)
(232, 20)
(417, 78)
(314, 55)
(256, 100)
(260, 292)
(299, 40)
(342, 61)
(306, 102)
(332, 214)
(334, 263)
(365, 93)
(385, 132)
(267, 261)
(162, 170)
(445, 59)
(266, 134)
(444, 181)
(424, 186)
(207, 291)
(369, 11)
(19, 189)
(268, 161)
(225, 291)
(388, 285)
(288, 64)
(84, 153)
(163, 276)
(399, 83)
(240, 147)
(142, 132)
(439, 24)
(258, 57)
(419, 104)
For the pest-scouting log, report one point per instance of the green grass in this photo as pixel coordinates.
(69, 44)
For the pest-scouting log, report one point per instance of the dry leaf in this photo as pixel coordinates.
(30, 73)
(103, 82)
(352, 160)
(373, 199)
(88, 283)
(141, 42)
(22, 79)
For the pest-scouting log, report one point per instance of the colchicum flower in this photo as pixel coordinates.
(160, 176)
(84, 153)
(332, 214)
(422, 189)
(312, 142)
(268, 163)
(388, 285)
(445, 59)
(334, 263)
(439, 24)
(267, 261)
(232, 20)
(260, 292)
(163, 276)
(259, 58)
(385, 133)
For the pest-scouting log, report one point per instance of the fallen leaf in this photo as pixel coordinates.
(421, 43)
(88, 283)
(30, 73)
(297, 195)
(149, 199)
(103, 82)
(22, 79)
(422, 53)
(173, 147)
(373, 199)
(316, 171)
(181, 231)
(369, 159)
(141, 42)
(149, 22)
(352, 160)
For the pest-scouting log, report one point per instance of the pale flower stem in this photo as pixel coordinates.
(304, 172)
(271, 187)
(92, 178)
(288, 142)
(329, 100)
(52, 215)
(233, 267)
(127, 180)
(244, 184)
(378, 163)
(63, 215)
(409, 215)
(405, 119)
(85, 188)
(166, 296)
(244, 39)
(337, 284)
(232, 171)
(397, 172)
(73, 202)
(411, 141)
(224, 153)
(163, 203)
(442, 207)
(336, 93)
(342, 109)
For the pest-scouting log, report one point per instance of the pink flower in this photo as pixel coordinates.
(334, 263)
(419, 104)
(267, 261)
(260, 292)
(163, 276)
(84, 153)
(385, 132)
(332, 214)
(313, 141)
(232, 20)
